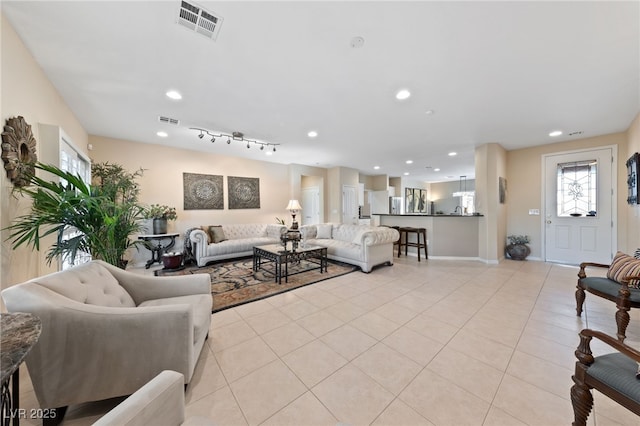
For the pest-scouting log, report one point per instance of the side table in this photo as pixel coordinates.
(154, 243)
(20, 332)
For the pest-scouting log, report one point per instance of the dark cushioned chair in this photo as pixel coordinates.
(613, 375)
(624, 296)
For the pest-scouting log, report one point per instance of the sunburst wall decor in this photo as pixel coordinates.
(18, 151)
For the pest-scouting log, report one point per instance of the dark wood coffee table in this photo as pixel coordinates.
(276, 254)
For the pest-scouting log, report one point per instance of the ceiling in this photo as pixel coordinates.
(478, 72)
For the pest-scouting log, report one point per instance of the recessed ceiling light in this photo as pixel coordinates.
(162, 134)
(269, 153)
(376, 167)
(172, 94)
(409, 161)
(429, 112)
(312, 134)
(555, 133)
(436, 170)
(406, 173)
(357, 42)
(453, 154)
(403, 94)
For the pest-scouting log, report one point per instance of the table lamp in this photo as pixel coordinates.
(293, 207)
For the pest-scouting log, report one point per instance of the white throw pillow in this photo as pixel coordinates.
(324, 231)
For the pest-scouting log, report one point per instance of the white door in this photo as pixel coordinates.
(579, 193)
(349, 204)
(310, 206)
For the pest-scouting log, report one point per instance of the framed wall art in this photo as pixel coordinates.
(633, 179)
(502, 190)
(244, 193)
(203, 192)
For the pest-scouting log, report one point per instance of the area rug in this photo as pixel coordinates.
(235, 283)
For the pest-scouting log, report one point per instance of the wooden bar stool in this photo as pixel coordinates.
(406, 231)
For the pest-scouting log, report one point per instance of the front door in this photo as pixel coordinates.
(579, 206)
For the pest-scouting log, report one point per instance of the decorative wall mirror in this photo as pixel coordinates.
(633, 179)
(18, 151)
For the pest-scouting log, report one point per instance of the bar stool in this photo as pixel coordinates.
(406, 231)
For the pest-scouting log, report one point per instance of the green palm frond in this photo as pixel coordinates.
(103, 219)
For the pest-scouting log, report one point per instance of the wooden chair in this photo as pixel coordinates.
(613, 375)
(624, 297)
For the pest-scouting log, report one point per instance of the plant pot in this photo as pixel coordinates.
(172, 260)
(518, 251)
(159, 226)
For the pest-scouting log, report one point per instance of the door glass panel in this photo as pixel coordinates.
(577, 189)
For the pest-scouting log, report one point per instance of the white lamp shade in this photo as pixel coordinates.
(294, 205)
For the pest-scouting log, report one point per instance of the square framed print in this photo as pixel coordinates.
(202, 192)
(244, 193)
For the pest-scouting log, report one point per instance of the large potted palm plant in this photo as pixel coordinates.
(104, 215)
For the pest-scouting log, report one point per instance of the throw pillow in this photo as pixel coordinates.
(623, 265)
(206, 231)
(216, 233)
(637, 254)
(324, 231)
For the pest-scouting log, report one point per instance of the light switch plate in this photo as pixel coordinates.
(534, 212)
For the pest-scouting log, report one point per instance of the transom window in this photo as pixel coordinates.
(577, 188)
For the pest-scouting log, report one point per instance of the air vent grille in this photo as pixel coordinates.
(168, 120)
(199, 20)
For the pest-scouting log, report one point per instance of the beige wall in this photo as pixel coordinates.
(26, 91)
(524, 176)
(162, 181)
(633, 212)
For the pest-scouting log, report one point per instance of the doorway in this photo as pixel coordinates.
(349, 204)
(579, 195)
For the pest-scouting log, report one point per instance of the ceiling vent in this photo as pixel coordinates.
(199, 20)
(168, 120)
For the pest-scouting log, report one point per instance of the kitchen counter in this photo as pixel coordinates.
(448, 236)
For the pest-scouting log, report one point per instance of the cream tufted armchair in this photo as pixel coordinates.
(106, 332)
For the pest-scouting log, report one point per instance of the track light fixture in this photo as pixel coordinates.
(236, 136)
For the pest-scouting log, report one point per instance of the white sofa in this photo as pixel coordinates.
(360, 245)
(106, 332)
(240, 240)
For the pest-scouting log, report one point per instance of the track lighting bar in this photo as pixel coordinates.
(235, 136)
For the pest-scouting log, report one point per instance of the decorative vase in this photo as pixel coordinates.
(159, 226)
(518, 251)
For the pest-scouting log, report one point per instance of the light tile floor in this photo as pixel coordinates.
(436, 342)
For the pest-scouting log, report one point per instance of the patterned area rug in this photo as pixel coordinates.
(235, 283)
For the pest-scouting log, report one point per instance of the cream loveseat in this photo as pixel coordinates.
(231, 241)
(106, 332)
(360, 245)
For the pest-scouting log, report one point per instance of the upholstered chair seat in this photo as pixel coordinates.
(614, 375)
